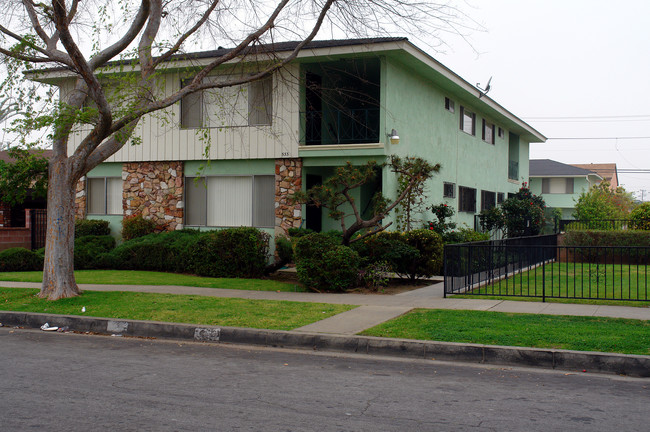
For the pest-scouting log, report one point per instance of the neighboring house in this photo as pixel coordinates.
(608, 172)
(560, 184)
(338, 101)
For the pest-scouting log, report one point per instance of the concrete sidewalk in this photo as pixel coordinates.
(375, 309)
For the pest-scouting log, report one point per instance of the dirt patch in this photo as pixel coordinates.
(395, 286)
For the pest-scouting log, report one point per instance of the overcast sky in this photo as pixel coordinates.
(555, 59)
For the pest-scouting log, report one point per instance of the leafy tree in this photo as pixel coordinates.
(522, 214)
(601, 203)
(413, 202)
(28, 171)
(110, 99)
(640, 217)
(336, 192)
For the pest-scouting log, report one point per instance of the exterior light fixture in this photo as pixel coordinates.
(394, 138)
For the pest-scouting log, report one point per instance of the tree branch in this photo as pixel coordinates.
(174, 49)
(148, 37)
(119, 46)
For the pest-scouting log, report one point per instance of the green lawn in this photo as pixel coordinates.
(528, 330)
(603, 284)
(136, 277)
(264, 314)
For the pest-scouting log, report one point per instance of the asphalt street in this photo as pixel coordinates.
(71, 382)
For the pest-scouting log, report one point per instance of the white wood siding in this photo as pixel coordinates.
(162, 138)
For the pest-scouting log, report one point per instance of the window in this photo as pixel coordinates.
(488, 132)
(230, 201)
(467, 120)
(466, 199)
(243, 105)
(104, 195)
(488, 200)
(449, 190)
(500, 197)
(501, 133)
(557, 185)
(449, 105)
(191, 109)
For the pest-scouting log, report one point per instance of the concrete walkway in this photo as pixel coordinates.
(375, 309)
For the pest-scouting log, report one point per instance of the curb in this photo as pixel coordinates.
(622, 364)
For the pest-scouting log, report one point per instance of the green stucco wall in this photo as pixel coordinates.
(415, 107)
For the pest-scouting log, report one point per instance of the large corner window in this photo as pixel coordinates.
(467, 121)
(230, 201)
(241, 105)
(104, 195)
(466, 199)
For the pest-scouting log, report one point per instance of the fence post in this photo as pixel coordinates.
(543, 282)
(444, 271)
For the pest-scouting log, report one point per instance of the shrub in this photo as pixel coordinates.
(167, 251)
(523, 213)
(640, 217)
(323, 264)
(625, 240)
(137, 226)
(88, 251)
(20, 259)
(414, 254)
(465, 235)
(376, 275)
(234, 252)
(86, 227)
(299, 232)
(284, 249)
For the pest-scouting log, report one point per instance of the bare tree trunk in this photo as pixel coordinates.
(58, 271)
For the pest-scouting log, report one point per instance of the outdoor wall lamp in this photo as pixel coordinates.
(394, 138)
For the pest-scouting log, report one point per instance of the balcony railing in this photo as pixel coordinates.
(513, 170)
(347, 126)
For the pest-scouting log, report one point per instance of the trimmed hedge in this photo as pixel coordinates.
(622, 238)
(86, 227)
(235, 252)
(88, 251)
(20, 259)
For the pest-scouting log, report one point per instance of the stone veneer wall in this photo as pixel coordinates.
(80, 199)
(155, 191)
(288, 180)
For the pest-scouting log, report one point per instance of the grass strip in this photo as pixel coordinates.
(137, 277)
(262, 314)
(615, 335)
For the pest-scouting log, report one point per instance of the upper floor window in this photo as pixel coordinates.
(466, 199)
(248, 104)
(488, 132)
(104, 195)
(230, 201)
(449, 105)
(501, 133)
(467, 121)
(557, 185)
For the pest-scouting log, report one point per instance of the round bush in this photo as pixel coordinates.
(20, 259)
(323, 264)
(137, 226)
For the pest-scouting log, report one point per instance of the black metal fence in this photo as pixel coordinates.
(38, 219)
(538, 267)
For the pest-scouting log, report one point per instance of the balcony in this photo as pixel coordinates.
(513, 170)
(340, 126)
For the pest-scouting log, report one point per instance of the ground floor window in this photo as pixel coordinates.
(230, 201)
(104, 195)
(466, 199)
(488, 200)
